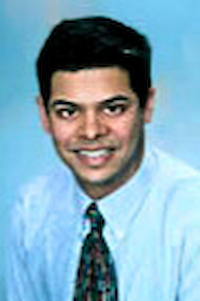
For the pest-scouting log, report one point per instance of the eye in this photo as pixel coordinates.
(115, 109)
(66, 112)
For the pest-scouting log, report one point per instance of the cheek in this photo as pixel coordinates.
(127, 129)
(62, 133)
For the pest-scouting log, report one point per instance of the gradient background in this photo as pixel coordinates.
(174, 31)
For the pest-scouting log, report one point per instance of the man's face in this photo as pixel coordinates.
(96, 123)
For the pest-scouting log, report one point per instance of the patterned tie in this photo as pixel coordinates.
(96, 279)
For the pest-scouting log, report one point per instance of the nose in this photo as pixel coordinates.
(92, 126)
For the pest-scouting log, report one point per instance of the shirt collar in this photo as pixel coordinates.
(123, 205)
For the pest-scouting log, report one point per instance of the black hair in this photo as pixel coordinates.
(95, 42)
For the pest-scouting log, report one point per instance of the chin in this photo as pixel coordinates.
(94, 179)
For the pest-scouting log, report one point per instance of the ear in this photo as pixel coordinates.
(44, 117)
(148, 111)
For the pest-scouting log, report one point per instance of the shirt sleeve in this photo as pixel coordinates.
(24, 280)
(189, 280)
(189, 289)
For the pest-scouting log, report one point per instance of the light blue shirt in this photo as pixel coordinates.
(152, 229)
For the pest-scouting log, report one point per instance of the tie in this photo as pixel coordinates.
(96, 279)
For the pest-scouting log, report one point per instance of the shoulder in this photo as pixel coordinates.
(173, 167)
(45, 189)
(173, 174)
(179, 184)
(38, 201)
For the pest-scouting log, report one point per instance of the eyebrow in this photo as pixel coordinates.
(116, 98)
(107, 101)
(62, 102)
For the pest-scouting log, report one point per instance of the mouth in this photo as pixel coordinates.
(94, 157)
(94, 153)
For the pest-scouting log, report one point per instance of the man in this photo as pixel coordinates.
(95, 98)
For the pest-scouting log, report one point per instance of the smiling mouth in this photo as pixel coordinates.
(95, 153)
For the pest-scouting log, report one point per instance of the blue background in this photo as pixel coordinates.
(174, 31)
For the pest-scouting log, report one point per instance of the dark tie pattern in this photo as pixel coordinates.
(96, 279)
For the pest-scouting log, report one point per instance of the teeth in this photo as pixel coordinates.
(94, 153)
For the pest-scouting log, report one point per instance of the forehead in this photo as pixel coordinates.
(94, 83)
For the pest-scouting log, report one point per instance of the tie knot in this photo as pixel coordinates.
(95, 217)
